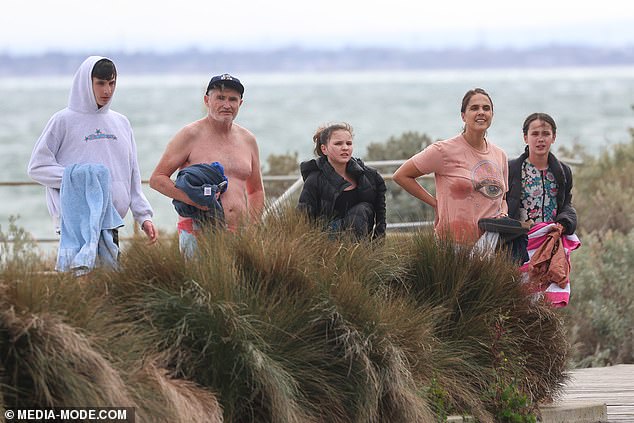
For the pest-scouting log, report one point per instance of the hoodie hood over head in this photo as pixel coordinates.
(82, 96)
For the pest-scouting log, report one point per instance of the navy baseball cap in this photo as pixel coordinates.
(228, 81)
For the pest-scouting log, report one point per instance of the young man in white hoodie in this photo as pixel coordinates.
(88, 131)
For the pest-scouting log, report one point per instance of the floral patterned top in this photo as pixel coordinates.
(538, 201)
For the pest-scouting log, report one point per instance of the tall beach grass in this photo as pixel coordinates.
(280, 322)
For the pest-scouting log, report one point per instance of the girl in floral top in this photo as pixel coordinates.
(540, 186)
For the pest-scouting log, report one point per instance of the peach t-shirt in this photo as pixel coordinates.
(470, 185)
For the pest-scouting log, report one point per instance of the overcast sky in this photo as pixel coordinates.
(28, 27)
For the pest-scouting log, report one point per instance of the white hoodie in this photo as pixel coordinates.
(84, 133)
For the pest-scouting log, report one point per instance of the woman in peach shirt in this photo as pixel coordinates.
(470, 173)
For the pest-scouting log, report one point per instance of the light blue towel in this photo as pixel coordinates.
(87, 219)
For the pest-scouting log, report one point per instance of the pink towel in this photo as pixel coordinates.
(557, 294)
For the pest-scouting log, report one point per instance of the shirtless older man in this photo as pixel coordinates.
(216, 138)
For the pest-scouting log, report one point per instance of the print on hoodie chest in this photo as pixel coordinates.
(99, 135)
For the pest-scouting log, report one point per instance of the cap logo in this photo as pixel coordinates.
(227, 81)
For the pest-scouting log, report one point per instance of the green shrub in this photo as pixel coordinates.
(396, 148)
(604, 190)
(401, 206)
(510, 403)
(440, 400)
(280, 164)
(505, 397)
(600, 315)
(17, 246)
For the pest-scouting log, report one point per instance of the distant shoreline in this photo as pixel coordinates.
(297, 59)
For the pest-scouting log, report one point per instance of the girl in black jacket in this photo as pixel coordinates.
(339, 189)
(540, 186)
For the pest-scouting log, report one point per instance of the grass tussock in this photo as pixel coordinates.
(64, 343)
(284, 323)
(491, 332)
(47, 363)
(178, 399)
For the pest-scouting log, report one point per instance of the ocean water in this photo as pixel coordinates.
(592, 107)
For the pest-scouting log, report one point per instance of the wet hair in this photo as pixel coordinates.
(545, 117)
(471, 93)
(323, 134)
(104, 69)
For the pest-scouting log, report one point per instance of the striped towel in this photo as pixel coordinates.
(558, 296)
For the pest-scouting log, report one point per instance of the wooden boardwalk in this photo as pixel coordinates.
(613, 386)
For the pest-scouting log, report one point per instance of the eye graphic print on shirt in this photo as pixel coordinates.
(99, 135)
(486, 178)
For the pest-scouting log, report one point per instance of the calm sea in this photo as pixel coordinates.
(592, 107)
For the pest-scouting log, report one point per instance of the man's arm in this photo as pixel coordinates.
(175, 156)
(255, 186)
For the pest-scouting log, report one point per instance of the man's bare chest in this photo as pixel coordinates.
(236, 161)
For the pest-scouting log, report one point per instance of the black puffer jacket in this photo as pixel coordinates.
(566, 213)
(322, 186)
